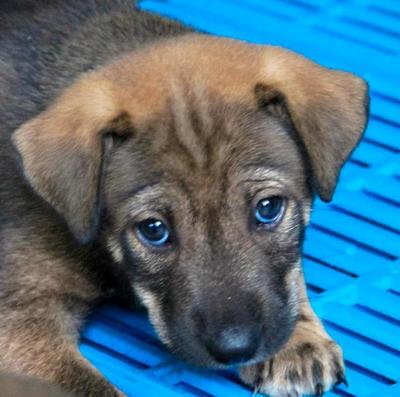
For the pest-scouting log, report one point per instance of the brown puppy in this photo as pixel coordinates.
(174, 165)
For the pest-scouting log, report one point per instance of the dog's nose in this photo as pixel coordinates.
(234, 344)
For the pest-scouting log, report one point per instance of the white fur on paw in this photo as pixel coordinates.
(303, 367)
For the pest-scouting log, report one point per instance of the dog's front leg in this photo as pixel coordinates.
(40, 340)
(309, 363)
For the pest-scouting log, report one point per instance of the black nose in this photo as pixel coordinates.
(234, 344)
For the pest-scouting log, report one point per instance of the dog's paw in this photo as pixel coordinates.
(304, 366)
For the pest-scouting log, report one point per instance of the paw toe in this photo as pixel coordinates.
(306, 368)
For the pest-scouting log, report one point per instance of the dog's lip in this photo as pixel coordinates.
(206, 360)
(258, 358)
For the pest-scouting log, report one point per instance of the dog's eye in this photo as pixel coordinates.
(269, 210)
(153, 231)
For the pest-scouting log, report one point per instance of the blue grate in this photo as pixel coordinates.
(353, 244)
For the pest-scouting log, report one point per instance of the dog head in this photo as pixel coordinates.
(199, 158)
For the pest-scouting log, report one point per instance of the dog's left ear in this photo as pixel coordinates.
(328, 108)
(64, 150)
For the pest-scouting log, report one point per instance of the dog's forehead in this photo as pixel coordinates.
(220, 63)
(145, 79)
(204, 152)
(206, 143)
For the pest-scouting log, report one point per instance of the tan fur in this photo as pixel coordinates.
(321, 104)
(143, 81)
(150, 301)
(16, 386)
(290, 372)
(38, 337)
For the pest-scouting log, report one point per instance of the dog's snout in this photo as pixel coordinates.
(229, 328)
(234, 344)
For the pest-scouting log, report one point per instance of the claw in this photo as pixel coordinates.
(259, 381)
(341, 378)
(257, 388)
(319, 390)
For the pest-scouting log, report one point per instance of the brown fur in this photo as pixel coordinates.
(318, 101)
(189, 129)
(14, 386)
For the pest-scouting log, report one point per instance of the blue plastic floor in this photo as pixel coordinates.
(353, 245)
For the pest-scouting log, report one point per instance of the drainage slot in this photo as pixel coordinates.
(379, 315)
(363, 338)
(354, 40)
(372, 27)
(338, 269)
(353, 241)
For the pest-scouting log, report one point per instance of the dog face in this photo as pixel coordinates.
(214, 204)
(201, 156)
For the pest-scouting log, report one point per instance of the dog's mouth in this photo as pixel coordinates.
(237, 352)
(232, 346)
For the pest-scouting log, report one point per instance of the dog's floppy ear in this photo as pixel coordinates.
(328, 108)
(63, 151)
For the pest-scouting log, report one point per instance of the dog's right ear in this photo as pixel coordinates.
(63, 151)
(328, 109)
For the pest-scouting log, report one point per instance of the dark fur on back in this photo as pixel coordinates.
(47, 46)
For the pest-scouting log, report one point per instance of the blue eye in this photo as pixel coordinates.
(269, 210)
(153, 231)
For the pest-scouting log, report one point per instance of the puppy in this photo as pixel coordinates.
(140, 157)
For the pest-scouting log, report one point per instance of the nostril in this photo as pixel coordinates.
(234, 344)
